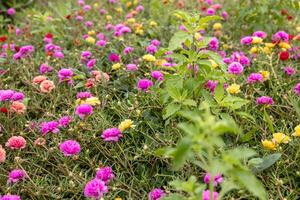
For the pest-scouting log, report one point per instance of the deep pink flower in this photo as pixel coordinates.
(16, 142)
(297, 89)
(49, 127)
(84, 110)
(289, 71)
(70, 148)
(16, 175)
(10, 197)
(144, 84)
(217, 179)
(156, 194)
(235, 68)
(11, 11)
(64, 121)
(114, 57)
(95, 189)
(111, 135)
(246, 40)
(255, 77)
(206, 195)
(105, 174)
(264, 100)
(158, 75)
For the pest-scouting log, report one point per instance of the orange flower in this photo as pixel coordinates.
(47, 86)
(2, 154)
(39, 79)
(18, 107)
(100, 75)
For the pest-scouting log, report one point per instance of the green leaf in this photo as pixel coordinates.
(181, 153)
(177, 39)
(171, 109)
(219, 93)
(79, 85)
(205, 20)
(268, 120)
(173, 197)
(217, 58)
(189, 102)
(265, 163)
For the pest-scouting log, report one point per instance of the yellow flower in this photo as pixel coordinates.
(160, 62)
(253, 50)
(119, 10)
(153, 23)
(298, 28)
(131, 20)
(267, 50)
(217, 26)
(197, 36)
(128, 4)
(96, 5)
(139, 31)
(265, 74)
(135, 2)
(284, 45)
(178, 16)
(270, 45)
(118, 198)
(213, 64)
(91, 33)
(116, 66)
(233, 89)
(297, 131)
(108, 17)
(256, 40)
(127, 123)
(281, 138)
(92, 101)
(149, 58)
(269, 144)
(90, 40)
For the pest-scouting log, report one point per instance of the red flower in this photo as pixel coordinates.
(290, 17)
(49, 35)
(3, 110)
(291, 37)
(284, 12)
(3, 38)
(284, 55)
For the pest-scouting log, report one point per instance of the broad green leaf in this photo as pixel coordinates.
(189, 102)
(219, 93)
(181, 153)
(173, 197)
(265, 163)
(268, 120)
(171, 109)
(177, 40)
(205, 20)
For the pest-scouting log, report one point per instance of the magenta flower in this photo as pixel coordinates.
(111, 135)
(211, 85)
(91, 63)
(235, 68)
(11, 11)
(10, 197)
(65, 75)
(264, 100)
(157, 75)
(131, 67)
(44, 68)
(206, 195)
(289, 71)
(156, 194)
(254, 78)
(16, 175)
(18, 96)
(6, 95)
(70, 148)
(213, 44)
(151, 49)
(114, 58)
(49, 127)
(83, 95)
(95, 189)
(210, 11)
(64, 121)
(105, 174)
(217, 179)
(101, 43)
(260, 34)
(246, 40)
(281, 36)
(128, 50)
(155, 42)
(84, 110)
(144, 84)
(297, 89)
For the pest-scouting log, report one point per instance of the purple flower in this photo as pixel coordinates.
(260, 34)
(84, 110)
(297, 89)
(255, 77)
(151, 49)
(59, 55)
(6, 95)
(18, 96)
(206, 195)
(157, 75)
(90, 64)
(128, 50)
(111, 135)
(211, 85)
(86, 8)
(65, 75)
(246, 40)
(114, 57)
(70, 148)
(105, 174)
(83, 95)
(155, 42)
(224, 15)
(235, 68)
(11, 11)
(214, 44)
(10, 197)
(49, 127)
(95, 189)
(289, 71)
(16, 175)
(264, 100)
(144, 84)
(281, 36)
(156, 194)
(64, 121)
(217, 179)
(44, 68)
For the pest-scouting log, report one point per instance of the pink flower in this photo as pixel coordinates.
(255, 77)
(11, 11)
(114, 58)
(260, 34)
(65, 75)
(2, 155)
(289, 71)
(206, 195)
(217, 179)
(111, 135)
(95, 189)
(246, 40)
(49, 127)
(211, 85)
(10, 197)
(47, 86)
(264, 100)
(235, 68)
(157, 75)
(16, 175)
(297, 89)
(91, 63)
(156, 194)
(281, 36)
(105, 174)
(64, 121)
(70, 148)
(131, 67)
(84, 110)
(128, 50)
(44, 68)
(144, 84)
(16, 142)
